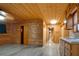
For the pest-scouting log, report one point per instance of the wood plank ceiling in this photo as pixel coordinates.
(26, 11)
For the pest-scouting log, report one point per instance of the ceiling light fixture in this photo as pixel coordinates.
(2, 18)
(2, 13)
(53, 21)
(65, 21)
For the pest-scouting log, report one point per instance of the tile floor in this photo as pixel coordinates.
(16, 50)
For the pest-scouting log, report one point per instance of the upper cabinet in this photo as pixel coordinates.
(75, 21)
(69, 24)
(72, 17)
(71, 9)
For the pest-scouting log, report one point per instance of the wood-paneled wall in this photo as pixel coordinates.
(56, 34)
(9, 37)
(33, 33)
(45, 34)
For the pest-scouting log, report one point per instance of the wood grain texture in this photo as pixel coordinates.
(25, 11)
(68, 49)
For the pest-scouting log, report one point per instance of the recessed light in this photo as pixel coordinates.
(53, 21)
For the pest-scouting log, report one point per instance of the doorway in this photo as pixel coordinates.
(22, 34)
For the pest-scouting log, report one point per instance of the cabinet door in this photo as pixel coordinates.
(67, 53)
(67, 50)
(69, 24)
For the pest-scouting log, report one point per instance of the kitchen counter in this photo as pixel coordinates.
(69, 47)
(71, 40)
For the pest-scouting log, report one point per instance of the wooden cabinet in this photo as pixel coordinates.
(69, 49)
(72, 13)
(69, 23)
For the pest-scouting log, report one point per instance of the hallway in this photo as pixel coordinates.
(39, 29)
(31, 25)
(15, 50)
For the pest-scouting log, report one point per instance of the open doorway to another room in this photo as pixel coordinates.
(22, 34)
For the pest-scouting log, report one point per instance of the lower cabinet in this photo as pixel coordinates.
(69, 49)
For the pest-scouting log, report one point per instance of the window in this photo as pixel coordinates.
(2, 28)
(75, 22)
(75, 18)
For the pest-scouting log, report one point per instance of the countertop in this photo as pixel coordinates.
(71, 40)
